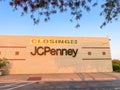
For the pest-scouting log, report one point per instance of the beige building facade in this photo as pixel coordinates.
(54, 54)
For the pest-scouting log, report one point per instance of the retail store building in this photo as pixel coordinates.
(56, 54)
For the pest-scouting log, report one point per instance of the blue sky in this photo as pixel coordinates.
(59, 25)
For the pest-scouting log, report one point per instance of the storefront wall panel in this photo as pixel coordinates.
(80, 54)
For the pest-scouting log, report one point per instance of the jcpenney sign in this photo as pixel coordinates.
(39, 50)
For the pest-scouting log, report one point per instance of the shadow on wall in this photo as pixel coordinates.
(68, 65)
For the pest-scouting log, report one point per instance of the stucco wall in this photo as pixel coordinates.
(17, 49)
